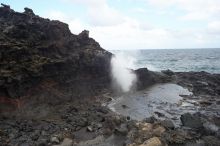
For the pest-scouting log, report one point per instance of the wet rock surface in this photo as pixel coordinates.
(192, 121)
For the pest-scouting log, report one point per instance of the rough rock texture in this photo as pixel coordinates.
(39, 54)
(41, 59)
(147, 78)
(192, 121)
(200, 82)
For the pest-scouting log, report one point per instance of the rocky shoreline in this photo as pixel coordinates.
(88, 122)
(55, 88)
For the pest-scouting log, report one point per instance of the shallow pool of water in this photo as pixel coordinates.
(161, 100)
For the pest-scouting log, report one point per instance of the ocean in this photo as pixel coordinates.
(178, 60)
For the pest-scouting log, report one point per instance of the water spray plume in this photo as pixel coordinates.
(122, 75)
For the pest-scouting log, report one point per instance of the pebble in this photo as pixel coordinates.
(54, 140)
(66, 142)
(123, 130)
(90, 129)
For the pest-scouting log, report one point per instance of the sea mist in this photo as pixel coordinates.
(123, 78)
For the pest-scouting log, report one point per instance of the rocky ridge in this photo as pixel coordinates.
(36, 51)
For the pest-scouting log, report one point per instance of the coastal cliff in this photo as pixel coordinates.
(40, 56)
(38, 52)
(55, 90)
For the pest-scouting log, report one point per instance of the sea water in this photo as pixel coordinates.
(179, 60)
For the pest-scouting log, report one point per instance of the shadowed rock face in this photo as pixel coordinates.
(148, 78)
(35, 51)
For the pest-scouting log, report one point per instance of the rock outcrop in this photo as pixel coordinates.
(148, 78)
(40, 53)
(41, 59)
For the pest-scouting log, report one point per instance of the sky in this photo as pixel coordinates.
(136, 24)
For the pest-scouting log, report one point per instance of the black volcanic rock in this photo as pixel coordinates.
(192, 121)
(34, 50)
(146, 78)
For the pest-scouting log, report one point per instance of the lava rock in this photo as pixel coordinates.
(150, 119)
(54, 140)
(123, 129)
(168, 72)
(42, 142)
(90, 129)
(146, 78)
(168, 124)
(211, 141)
(192, 121)
(34, 49)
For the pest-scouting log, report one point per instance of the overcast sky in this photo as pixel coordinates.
(136, 24)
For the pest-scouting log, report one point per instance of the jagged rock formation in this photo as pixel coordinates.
(148, 78)
(43, 60)
(36, 51)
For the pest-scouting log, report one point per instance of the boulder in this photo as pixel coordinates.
(146, 78)
(158, 131)
(167, 124)
(168, 72)
(192, 121)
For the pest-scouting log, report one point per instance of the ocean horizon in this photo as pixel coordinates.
(178, 60)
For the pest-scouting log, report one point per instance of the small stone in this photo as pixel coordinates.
(54, 140)
(168, 124)
(123, 130)
(99, 125)
(66, 142)
(159, 131)
(147, 127)
(159, 114)
(42, 142)
(155, 141)
(128, 118)
(90, 129)
(150, 119)
(109, 99)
